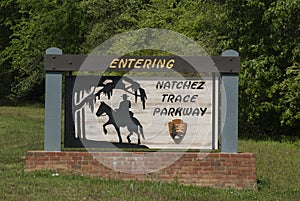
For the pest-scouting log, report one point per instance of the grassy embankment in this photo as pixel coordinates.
(21, 129)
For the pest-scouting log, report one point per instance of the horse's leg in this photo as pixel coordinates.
(104, 125)
(128, 137)
(138, 134)
(135, 129)
(118, 131)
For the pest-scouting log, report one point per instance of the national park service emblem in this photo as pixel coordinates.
(177, 130)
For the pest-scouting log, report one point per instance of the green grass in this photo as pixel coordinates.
(21, 129)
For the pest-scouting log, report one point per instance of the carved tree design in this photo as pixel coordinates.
(119, 83)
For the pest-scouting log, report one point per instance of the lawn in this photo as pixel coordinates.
(21, 129)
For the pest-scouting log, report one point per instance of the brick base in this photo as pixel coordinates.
(219, 170)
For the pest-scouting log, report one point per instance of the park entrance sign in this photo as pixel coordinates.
(161, 106)
(155, 102)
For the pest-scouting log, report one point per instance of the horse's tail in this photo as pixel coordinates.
(141, 128)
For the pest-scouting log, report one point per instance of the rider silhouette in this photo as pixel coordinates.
(125, 104)
(123, 111)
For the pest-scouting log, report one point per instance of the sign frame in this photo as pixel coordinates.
(228, 65)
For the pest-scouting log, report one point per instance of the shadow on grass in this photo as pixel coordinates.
(84, 144)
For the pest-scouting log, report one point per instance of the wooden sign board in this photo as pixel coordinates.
(165, 112)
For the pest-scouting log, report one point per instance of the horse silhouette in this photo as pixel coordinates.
(119, 120)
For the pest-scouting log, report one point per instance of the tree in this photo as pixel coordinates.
(108, 18)
(10, 13)
(266, 33)
(195, 19)
(36, 26)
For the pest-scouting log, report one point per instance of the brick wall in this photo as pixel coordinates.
(220, 170)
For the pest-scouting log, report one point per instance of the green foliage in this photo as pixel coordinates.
(267, 35)
(290, 97)
(196, 19)
(36, 26)
(108, 18)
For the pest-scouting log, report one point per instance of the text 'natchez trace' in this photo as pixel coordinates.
(173, 98)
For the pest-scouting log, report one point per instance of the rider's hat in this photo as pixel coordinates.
(125, 96)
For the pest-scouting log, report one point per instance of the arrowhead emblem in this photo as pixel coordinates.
(177, 130)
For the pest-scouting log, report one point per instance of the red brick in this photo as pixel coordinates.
(72, 154)
(205, 169)
(213, 155)
(60, 153)
(247, 155)
(252, 177)
(208, 168)
(54, 158)
(65, 158)
(50, 153)
(225, 155)
(38, 162)
(85, 153)
(41, 158)
(38, 153)
(76, 158)
(204, 163)
(237, 155)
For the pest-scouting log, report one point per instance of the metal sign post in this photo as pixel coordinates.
(53, 102)
(229, 108)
